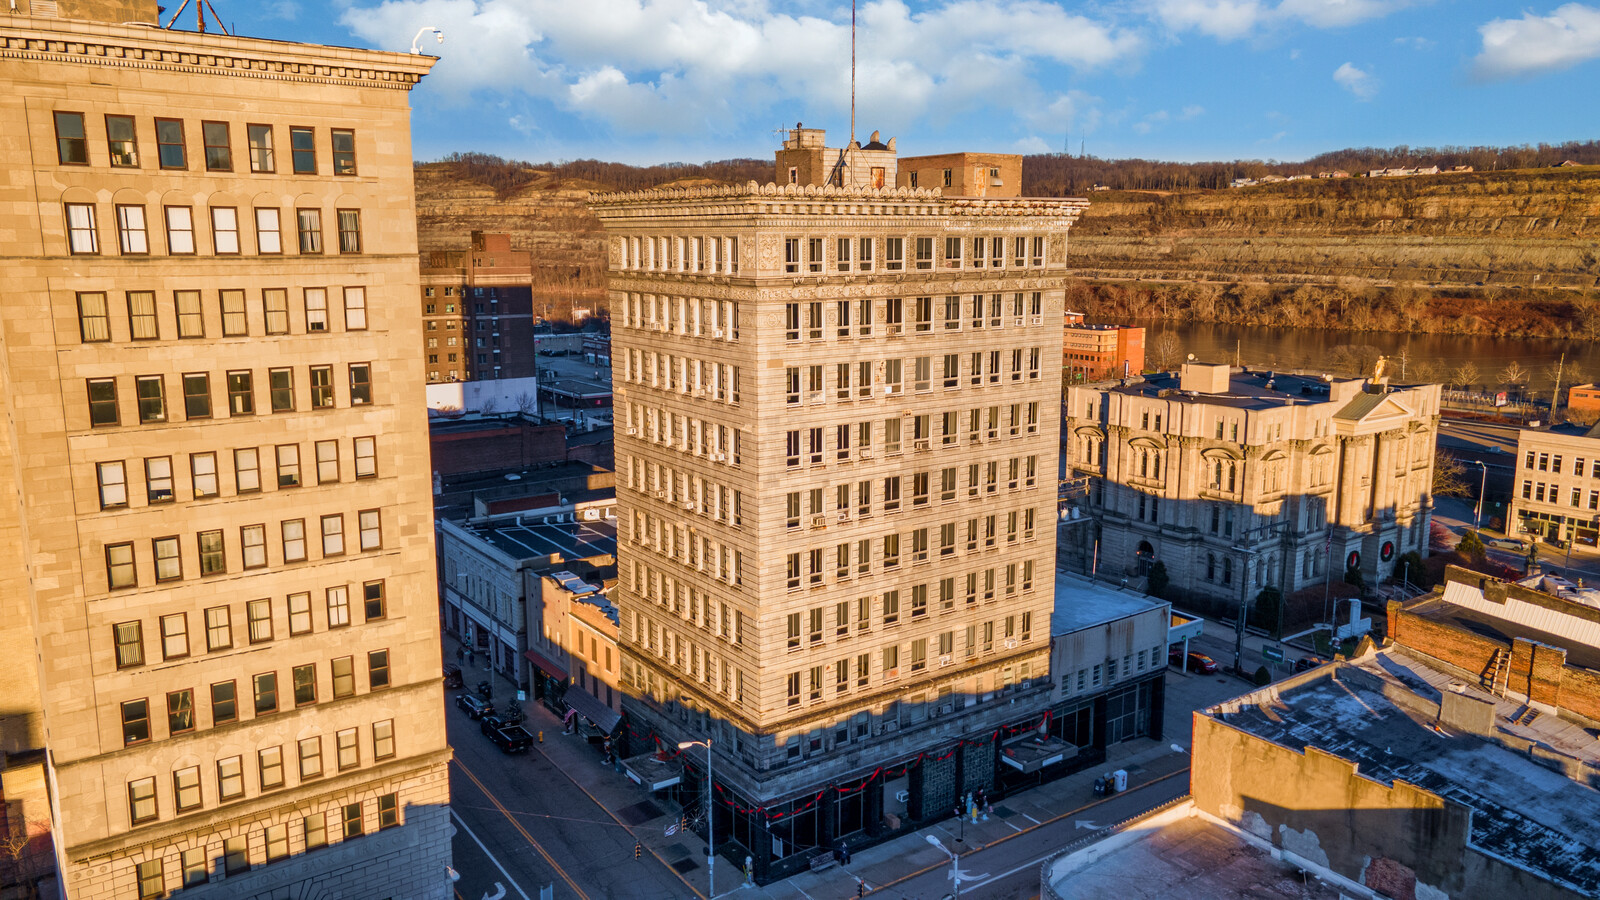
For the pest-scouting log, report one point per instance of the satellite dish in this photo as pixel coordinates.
(1191, 357)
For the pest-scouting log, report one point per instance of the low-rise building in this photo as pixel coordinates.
(1584, 399)
(964, 174)
(1108, 657)
(1098, 352)
(1556, 495)
(1240, 480)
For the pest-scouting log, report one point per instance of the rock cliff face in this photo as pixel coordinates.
(1525, 242)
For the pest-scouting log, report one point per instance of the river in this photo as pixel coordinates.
(1312, 349)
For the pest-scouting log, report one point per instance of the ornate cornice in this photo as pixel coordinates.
(752, 198)
(117, 46)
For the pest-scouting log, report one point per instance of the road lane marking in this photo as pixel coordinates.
(486, 852)
(520, 830)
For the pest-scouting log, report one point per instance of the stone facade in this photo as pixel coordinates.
(1239, 480)
(219, 523)
(964, 174)
(1555, 494)
(836, 459)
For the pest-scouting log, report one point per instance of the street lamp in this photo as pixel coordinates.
(1483, 481)
(955, 866)
(711, 844)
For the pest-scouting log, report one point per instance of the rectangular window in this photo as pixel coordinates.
(303, 149)
(355, 309)
(366, 454)
(383, 739)
(327, 453)
(300, 613)
(191, 322)
(247, 470)
(321, 387)
(150, 393)
(197, 395)
(180, 230)
(135, 722)
(169, 560)
(230, 783)
(225, 230)
(82, 236)
(288, 465)
(158, 479)
(344, 676)
(203, 475)
(894, 254)
(122, 140)
(219, 628)
(333, 535)
(349, 230)
(219, 150)
(305, 677)
(119, 566)
(371, 529)
(113, 481)
(269, 232)
(338, 606)
(294, 540)
(241, 394)
(259, 614)
(72, 143)
(180, 711)
(175, 636)
(360, 383)
(277, 838)
(128, 637)
(142, 316)
(236, 850)
(270, 761)
(142, 808)
(344, 151)
(212, 559)
(316, 830)
(133, 238)
(266, 690)
(347, 748)
(280, 387)
(309, 224)
(169, 144)
(224, 703)
(103, 402)
(352, 821)
(260, 139)
(378, 669)
(316, 309)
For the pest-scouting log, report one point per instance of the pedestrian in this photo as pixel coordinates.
(844, 853)
(460, 655)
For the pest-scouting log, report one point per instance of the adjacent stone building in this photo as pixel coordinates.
(217, 603)
(1556, 492)
(836, 457)
(1238, 480)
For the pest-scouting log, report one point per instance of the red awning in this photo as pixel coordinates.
(545, 664)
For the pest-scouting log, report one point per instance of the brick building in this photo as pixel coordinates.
(477, 311)
(964, 174)
(1099, 352)
(1556, 491)
(220, 653)
(1584, 401)
(836, 459)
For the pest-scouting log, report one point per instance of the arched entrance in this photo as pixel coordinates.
(1145, 556)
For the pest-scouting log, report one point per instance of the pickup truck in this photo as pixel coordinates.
(512, 739)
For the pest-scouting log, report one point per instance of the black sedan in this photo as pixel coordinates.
(473, 706)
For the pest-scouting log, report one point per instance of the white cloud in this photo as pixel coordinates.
(1357, 81)
(705, 66)
(1191, 112)
(1416, 43)
(1233, 19)
(1534, 45)
(1031, 144)
(1149, 122)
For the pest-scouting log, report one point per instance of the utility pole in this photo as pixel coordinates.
(1555, 396)
(1249, 552)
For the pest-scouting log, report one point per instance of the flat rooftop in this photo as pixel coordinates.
(1572, 625)
(1247, 389)
(573, 540)
(1191, 857)
(1081, 603)
(1381, 712)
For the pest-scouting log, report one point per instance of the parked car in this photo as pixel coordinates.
(452, 675)
(1507, 544)
(476, 707)
(1197, 661)
(512, 739)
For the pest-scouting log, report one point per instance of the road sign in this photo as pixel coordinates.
(1272, 653)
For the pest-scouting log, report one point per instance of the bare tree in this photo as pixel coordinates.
(24, 853)
(526, 403)
(1449, 476)
(1166, 352)
(1514, 374)
(491, 405)
(1425, 371)
(1466, 374)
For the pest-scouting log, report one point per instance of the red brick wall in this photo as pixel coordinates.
(512, 447)
(1580, 692)
(1461, 649)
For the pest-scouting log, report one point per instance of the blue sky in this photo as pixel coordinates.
(646, 81)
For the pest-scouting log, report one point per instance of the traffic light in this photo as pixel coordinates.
(638, 850)
(861, 889)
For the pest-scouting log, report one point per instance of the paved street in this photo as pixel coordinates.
(558, 816)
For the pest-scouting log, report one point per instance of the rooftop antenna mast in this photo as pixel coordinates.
(200, 7)
(852, 71)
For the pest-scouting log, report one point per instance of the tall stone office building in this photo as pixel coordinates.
(218, 629)
(836, 486)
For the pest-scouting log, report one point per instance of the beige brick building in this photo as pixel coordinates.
(1556, 496)
(217, 608)
(836, 458)
(1240, 480)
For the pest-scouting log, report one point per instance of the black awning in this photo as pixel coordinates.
(604, 717)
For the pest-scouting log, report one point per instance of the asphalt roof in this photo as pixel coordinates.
(1379, 714)
(1081, 603)
(573, 540)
